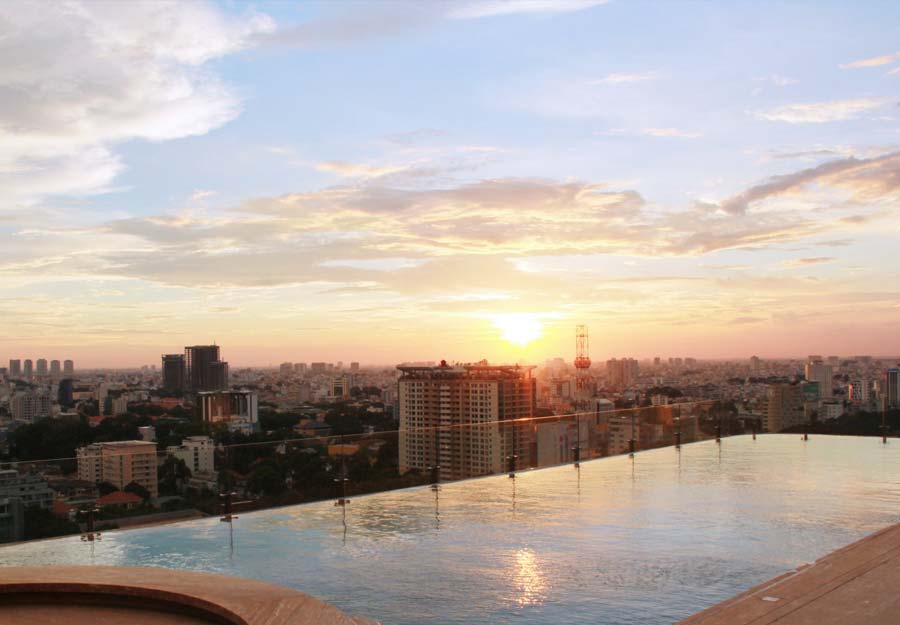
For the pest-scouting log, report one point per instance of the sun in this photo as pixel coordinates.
(519, 328)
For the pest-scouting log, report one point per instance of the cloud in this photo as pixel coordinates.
(777, 80)
(805, 262)
(875, 61)
(821, 112)
(380, 20)
(202, 194)
(617, 79)
(357, 170)
(77, 78)
(491, 8)
(668, 133)
(865, 178)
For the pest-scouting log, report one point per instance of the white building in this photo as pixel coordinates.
(830, 410)
(620, 431)
(198, 453)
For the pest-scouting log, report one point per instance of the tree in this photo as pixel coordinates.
(266, 480)
(172, 474)
(137, 489)
(40, 523)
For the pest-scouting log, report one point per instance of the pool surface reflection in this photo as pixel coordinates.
(651, 539)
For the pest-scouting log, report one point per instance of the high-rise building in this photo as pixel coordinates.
(286, 368)
(65, 393)
(173, 373)
(204, 369)
(818, 371)
(622, 373)
(15, 368)
(42, 367)
(784, 407)
(55, 369)
(29, 406)
(239, 410)
(120, 463)
(461, 418)
(300, 367)
(892, 387)
(754, 364)
(354, 366)
(28, 369)
(317, 367)
(68, 368)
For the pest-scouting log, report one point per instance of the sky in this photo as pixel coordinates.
(392, 181)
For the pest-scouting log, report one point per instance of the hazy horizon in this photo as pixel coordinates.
(377, 181)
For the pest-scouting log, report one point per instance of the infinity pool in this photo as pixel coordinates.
(651, 539)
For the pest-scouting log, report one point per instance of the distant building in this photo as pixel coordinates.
(173, 373)
(15, 368)
(28, 370)
(286, 368)
(42, 367)
(204, 370)
(120, 463)
(461, 418)
(300, 367)
(29, 406)
(147, 433)
(198, 453)
(239, 410)
(354, 366)
(12, 519)
(621, 430)
(830, 410)
(318, 367)
(119, 405)
(784, 407)
(68, 368)
(55, 370)
(340, 387)
(818, 371)
(30, 488)
(622, 373)
(891, 390)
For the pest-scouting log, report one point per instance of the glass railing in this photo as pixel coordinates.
(113, 486)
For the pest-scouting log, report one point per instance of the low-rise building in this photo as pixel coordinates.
(120, 463)
(30, 488)
(239, 410)
(198, 453)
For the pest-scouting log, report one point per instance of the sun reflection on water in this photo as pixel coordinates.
(529, 581)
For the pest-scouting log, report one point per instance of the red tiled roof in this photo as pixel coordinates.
(118, 498)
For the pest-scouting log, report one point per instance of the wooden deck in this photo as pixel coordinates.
(854, 585)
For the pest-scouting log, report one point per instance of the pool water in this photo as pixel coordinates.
(649, 539)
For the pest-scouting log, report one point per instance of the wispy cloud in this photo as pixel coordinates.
(617, 79)
(667, 132)
(358, 170)
(806, 262)
(821, 112)
(875, 61)
(201, 194)
(490, 8)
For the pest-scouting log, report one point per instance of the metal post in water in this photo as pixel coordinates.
(678, 440)
(511, 465)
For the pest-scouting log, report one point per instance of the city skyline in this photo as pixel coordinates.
(481, 176)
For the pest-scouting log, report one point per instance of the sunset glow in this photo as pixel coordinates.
(306, 181)
(520, 329)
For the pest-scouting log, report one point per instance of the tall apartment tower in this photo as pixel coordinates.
(55, 369)
(42, 367)
(68, 368)
(461, 418)
(818, 371)
(204, 370)
(15, 368)
(28, 369)
(784, 407)
(622, 373)
(892, 387)
(173, 373)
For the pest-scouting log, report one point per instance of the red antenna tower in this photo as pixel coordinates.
(582, 359)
